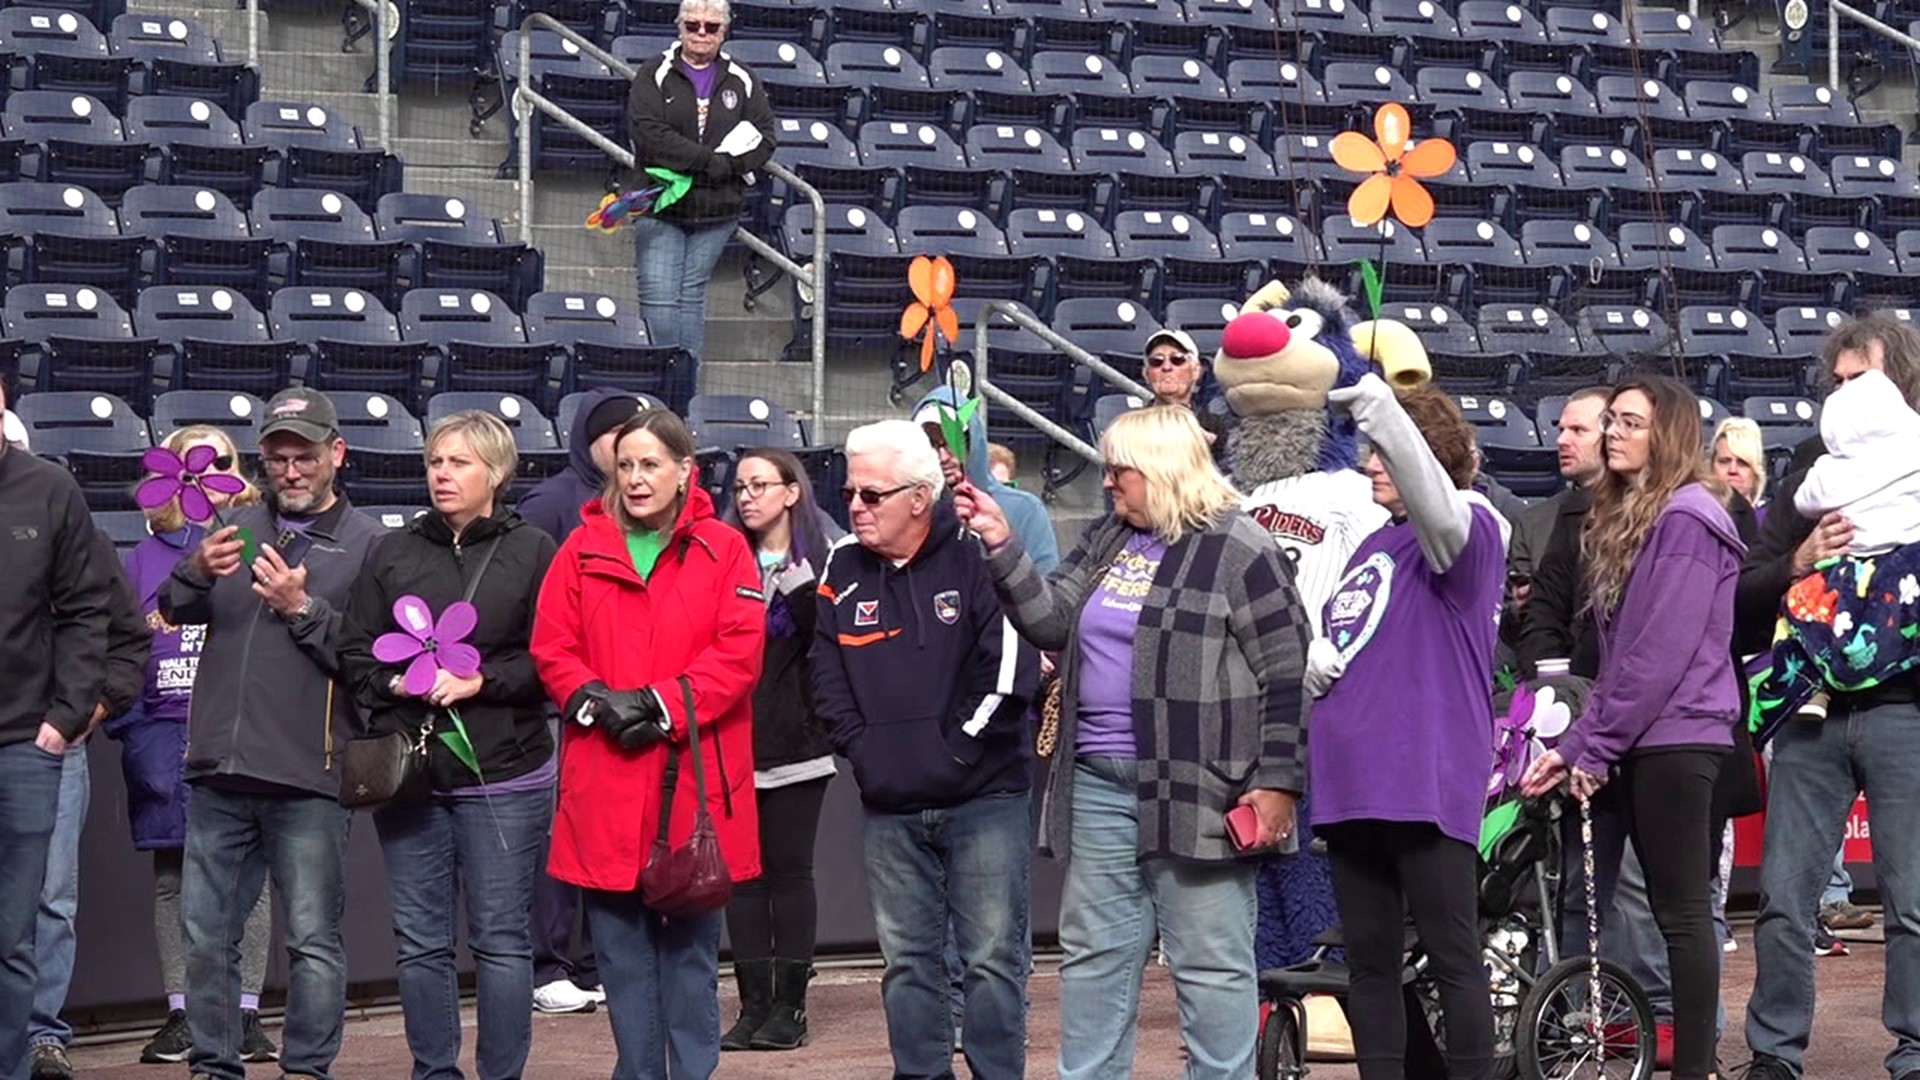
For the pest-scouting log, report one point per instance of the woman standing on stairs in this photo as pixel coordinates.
(771, 919)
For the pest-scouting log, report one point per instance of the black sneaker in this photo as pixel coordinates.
(50, 1062)
(1763, 1067)
(172, 1043)
(1825, 944)
(254, 1044)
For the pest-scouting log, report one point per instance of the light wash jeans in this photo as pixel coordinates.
(53, 940)
(1110, 908)
(970, 861)
(1818, 768)
(671, 268)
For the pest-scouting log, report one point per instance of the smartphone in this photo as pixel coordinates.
(293, 545)
(1243, 827)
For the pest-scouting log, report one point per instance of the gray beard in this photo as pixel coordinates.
(1276, 446)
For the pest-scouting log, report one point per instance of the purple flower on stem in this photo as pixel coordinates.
(431, 646)
(186, 479)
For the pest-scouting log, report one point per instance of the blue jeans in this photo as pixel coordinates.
(671, 268)
(662, 978)
(53, 941)
(234, 841)
(1109, 910)
(1817, 770)
(1839, 888)
(491, 846)
(29, 799)
(968, 862)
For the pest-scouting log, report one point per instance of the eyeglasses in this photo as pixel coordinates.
(757, 488)
(1168, 360)
(1628, 423)
(1115, 472)
(305, 463)
(870, 496)
(695, 26)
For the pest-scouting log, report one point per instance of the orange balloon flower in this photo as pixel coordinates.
(1393, 172)
(933, 282)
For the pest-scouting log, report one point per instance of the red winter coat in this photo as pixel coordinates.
(699, 614)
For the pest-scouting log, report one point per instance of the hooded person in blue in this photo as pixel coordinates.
(1025, 512)
(554, 506)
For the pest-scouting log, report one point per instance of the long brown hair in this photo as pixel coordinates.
(1625, 507)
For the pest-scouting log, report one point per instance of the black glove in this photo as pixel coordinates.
(588, 705)
(635, 719)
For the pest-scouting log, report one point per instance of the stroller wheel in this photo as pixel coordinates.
(1282, 1053)
(1555, 1040)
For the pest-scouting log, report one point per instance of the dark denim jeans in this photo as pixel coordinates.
(489, 851)
(53, 941)
(234, 840)
(662, 978)
(970, 861)
(29, 799)
(1817, 770)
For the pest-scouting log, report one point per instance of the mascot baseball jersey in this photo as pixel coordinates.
(1318, 519)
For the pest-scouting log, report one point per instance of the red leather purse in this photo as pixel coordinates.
(692, 879)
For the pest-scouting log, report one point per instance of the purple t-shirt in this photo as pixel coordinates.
(703, 80)
(1107, 625)
(1406, 734)
(175, 656)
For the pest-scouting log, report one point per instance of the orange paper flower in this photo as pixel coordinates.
(1393, 172)
(933, 283)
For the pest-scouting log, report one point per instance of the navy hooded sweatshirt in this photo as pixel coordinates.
(554, 506)
(920, 679)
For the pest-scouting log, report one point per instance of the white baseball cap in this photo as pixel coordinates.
(1178, 337)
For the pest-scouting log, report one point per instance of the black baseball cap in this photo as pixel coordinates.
(303, 412)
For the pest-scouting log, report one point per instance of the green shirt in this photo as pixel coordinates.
(645, 548)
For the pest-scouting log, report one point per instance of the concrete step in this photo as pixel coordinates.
(297, 73)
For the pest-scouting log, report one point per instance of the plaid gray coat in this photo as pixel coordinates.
(1219, 699)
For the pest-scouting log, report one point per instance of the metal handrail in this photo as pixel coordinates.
(382, 61)
(1835, 9)
(526, 100)
(1068, 349)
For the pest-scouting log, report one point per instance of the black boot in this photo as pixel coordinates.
(755, 978)
(786, 1028)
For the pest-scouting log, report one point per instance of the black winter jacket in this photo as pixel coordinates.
(56, 603)
(663, 121)
(129, 638)
(506, 721)
(786, 729)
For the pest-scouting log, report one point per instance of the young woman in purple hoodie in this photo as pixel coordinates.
(1661, 557)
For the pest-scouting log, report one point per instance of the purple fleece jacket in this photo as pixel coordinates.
(1666, 657)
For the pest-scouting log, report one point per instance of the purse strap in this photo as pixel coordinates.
(671, 780)
(486, 559)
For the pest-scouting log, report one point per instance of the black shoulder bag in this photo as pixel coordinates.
(379, 769)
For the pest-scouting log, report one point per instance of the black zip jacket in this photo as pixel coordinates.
(786, 730)
(663, 119)
(55, 604)
(921, 679)
(128, 636)
(506, 721)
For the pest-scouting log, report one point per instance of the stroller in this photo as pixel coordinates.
(1543, 1008)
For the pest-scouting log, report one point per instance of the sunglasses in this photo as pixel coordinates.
(870, 496)
(224, 463)
(695, 26)
(1168, 360)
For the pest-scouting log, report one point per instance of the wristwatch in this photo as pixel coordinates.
(301, 613)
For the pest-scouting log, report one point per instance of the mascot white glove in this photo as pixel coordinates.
(1324, 666)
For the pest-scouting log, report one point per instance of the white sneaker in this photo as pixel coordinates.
(598, 994)
(561, 996)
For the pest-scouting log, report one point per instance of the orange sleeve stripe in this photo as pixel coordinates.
(826, 590)
(854, 641)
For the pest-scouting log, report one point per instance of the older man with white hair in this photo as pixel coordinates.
(924, 686)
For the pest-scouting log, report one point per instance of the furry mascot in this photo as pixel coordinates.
(1298, 463)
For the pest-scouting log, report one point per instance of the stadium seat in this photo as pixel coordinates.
(1561, 243)
(741, 421)
(1649, 246)
(1032, 231)
(95, 434)
(214, 339)
(1460, 240)
(1841, 250)
(1854, 175)
(1787, 174)
(1622, 331)
(897, 144)
(483, 344)
(1004, 146)
(870, 64)
(200, 238)
(1707, 331)
(386, 465)
(1694, 170)
(236, 414)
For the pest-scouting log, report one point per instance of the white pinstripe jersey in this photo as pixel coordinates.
(1318, 520)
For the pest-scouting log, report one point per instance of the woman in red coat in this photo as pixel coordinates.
(651, 589)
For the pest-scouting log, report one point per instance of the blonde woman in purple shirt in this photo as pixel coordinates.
(1182, 646)
(1662, 558)
(1403, 736)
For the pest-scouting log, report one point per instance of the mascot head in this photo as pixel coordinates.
(1277, 360)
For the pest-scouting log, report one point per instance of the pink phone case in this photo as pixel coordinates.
(1243, 826)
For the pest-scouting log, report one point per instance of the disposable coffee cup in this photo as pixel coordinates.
(1549, 668)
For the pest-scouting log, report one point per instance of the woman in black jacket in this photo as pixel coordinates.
(487, 817)
(694, 110)
(771, 919)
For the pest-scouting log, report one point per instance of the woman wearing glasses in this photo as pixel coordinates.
(1661, 559)
(771, 919)
(653, 607)
(697, 112)
(153, 752)
(1174, 371)
(1182, 647)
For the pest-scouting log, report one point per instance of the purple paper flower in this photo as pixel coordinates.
(430, 646)
(186, 479)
